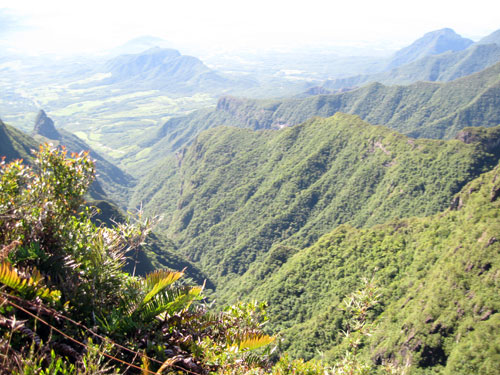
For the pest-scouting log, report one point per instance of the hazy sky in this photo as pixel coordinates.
(67, 26)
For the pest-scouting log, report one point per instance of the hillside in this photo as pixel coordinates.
(158, 252)
(235, 193)
(14, 144)
(439, 56)
(433, 110)
(438, 277)
(494, 37)
(244, 205)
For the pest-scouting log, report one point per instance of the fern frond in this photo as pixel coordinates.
(158, 281)
(158, 275)
(170, 302)
(182, 302)
(252, 341)
(10, 277)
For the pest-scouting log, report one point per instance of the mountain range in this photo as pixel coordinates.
(234, 193)
(438, 56)
(423, 109)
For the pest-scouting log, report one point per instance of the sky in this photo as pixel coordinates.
(68, 27)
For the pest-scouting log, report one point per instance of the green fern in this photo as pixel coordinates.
(161, 297)
(25, 286)
(170, 302)
(255, 341)
(158, 281)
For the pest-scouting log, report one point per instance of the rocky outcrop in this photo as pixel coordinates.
(45, 126)
(489, 139)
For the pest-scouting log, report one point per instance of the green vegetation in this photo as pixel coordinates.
(127, 96)
(431, 110)
(14, 144)
(438, 279)
(436, 68)
(297, 217)
(66, 306)
(65, 302)
(440, 56)
(235, 194)
(113, 183)
(432, 43)
(157, 253)
(247, 204)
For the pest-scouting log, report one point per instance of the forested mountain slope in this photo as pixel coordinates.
(435, 110)
(439, 287)
(14, 144)
(441, 55)
(236, 193)
(494, 37)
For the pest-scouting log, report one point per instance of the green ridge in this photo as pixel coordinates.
(437, 68)
(439, 279)
(423, 109)
(235, 193)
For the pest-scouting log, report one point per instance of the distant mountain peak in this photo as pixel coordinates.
(443, 31)
(165, 52)
(432, 43)
(45, 126)
(159, 67)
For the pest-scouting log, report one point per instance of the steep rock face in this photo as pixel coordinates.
(317, 90)
(247, 112)
(432, 43)
(111, 183)
(45, 126)
(229, 104)
(489, 139)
